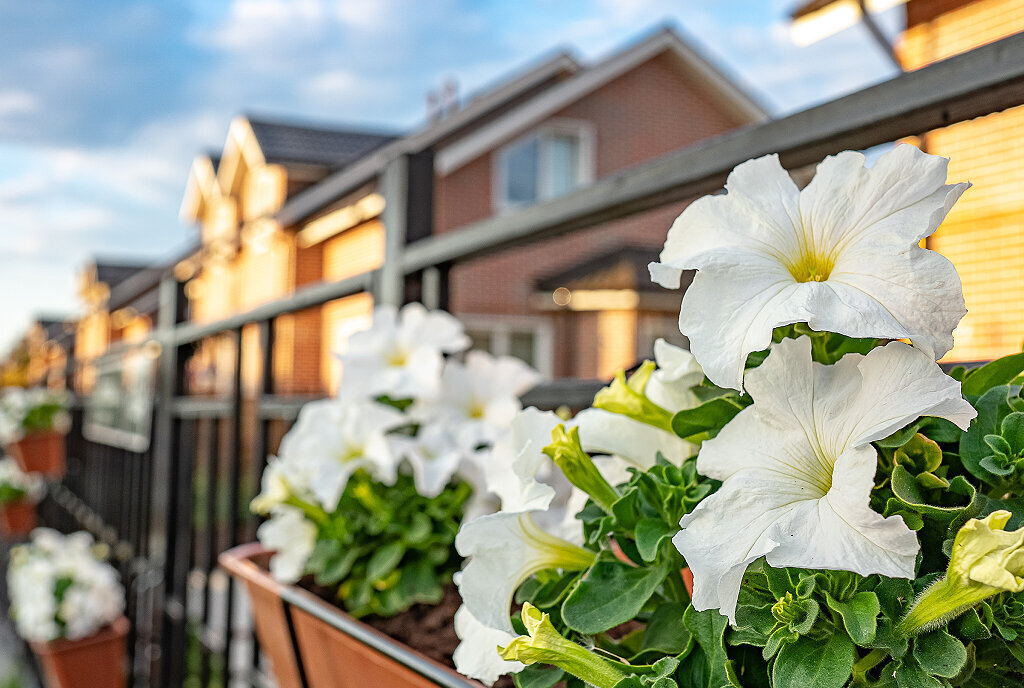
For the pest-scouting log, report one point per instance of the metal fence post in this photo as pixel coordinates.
(390, 286)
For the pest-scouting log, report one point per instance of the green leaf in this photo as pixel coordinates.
(910, 675)
(338, 568)
(1001, 371)
(860, 615)
(1012, 431)
(939, 653)
(538, 676)
(709, 417)
(650, 533)
(708, 629)
(811, 664)
(384, 561)
(666, 631)
(992, 407)
(970, 627)
(907, 490)
(609, 594)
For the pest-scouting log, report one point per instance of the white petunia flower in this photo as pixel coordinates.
(504, 549)
(291, 537)
(91, 594)
(401, 354)
(798, 468)
(477, 654)
(478, 399)
(29, 485)
(433, 456)
(333, 439)
(843, 256)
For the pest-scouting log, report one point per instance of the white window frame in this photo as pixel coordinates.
(585, 135)
(500, 328)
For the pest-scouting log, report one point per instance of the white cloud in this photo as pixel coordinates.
(17, 102)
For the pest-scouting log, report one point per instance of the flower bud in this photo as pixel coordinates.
(627, 397)
(579, 469)
(985, 560)
(545, 645)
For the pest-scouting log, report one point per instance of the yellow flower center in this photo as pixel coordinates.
(812, 266)
(476, 410)
(397, 358)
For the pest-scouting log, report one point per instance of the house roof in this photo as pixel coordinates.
(580, 82)
(558, 66)
(663, 41)
(294, 143)
(113, 273)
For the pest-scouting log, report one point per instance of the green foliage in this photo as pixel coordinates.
(387, 547)
(10, 493)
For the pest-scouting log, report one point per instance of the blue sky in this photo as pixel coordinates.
(104, 103)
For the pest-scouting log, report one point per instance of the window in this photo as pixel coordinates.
(545, 164)
(526, 338)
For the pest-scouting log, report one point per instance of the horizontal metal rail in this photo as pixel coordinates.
(986, 80)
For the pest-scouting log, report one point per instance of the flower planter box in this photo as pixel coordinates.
(99, 660)
(311, 643)
(17, 519)
(40, 452)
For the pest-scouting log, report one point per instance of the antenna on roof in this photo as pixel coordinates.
(449, 97)
(433, 103)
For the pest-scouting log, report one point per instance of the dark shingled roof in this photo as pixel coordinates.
(333, 148)
(52, 328)
(113, 273)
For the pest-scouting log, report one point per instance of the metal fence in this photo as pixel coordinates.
(169, 512)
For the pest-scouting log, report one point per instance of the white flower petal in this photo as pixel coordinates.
(477, 654)
(634, 442)
(752, 295)
(292, 537)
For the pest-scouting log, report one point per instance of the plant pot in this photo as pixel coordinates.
(316, 645)
(17, 519)
(40, 452)
(99, 660)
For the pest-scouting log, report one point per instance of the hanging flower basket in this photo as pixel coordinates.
(99, 660)
(311, 643)
(40, 452)
(17, 519)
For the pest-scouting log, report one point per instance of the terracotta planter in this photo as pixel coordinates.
(311, 643)
(99, 660)
(17, 519)
(40, 452)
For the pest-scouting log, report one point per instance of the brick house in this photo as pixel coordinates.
(984, 233)
(575, 306)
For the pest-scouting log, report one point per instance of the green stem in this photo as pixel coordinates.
(866, 664)
(675, 587)
(312, 511)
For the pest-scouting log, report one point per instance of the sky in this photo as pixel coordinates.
(103, 104)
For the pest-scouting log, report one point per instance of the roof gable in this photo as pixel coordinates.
(589, 80)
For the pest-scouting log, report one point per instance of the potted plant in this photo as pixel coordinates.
(848, 518)
(33, 424)
(68, 605)
(19, 493)
(364, 500)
